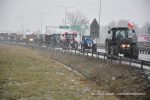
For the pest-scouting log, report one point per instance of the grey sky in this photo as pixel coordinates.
(11, 10)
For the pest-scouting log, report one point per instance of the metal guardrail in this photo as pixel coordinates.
(142, 49)
(97, 55)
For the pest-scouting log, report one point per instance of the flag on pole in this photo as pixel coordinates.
(130, 25)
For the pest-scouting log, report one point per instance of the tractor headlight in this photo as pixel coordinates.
(123, 45)
(30, 39)
(128, 46)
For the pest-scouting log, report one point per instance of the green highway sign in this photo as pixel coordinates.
(73, 27)
(76, 27)
(64, 27)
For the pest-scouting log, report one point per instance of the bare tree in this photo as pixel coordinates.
(112, 24)
(145, 29)
(77, 18)
(122, 23)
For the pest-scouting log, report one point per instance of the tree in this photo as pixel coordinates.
(145, 29)
(122, 23)
(112, 24)
(77, 18)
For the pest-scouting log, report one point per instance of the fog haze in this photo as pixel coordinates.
(111, 10)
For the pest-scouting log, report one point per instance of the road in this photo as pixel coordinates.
(141, 56)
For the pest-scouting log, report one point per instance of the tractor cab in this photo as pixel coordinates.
(121, 40)
(121, 32)
(69, 36)
(69, 40)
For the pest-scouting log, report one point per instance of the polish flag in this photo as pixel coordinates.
(130, 25)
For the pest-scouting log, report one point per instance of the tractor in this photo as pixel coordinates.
(68, 40)
(52, 40)
(122, 40)
(88, 43)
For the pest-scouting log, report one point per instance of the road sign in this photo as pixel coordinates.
(64, 27)
(76, 27)
(94, 29)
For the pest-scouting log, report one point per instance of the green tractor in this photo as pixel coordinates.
(122, 40)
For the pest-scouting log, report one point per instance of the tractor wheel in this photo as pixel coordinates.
(107, 48)
(94, 48)
(74, 45)
(114, 51)
(83, 48)
(126, 55)
(109, 52)
(135, 52)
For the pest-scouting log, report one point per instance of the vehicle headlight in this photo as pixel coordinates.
(31, 39)
(123, 45)
(128, 46)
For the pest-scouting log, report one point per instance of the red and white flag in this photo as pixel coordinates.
(130, 25)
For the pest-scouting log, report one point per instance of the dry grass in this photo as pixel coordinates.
(25, 75)
(112, 78)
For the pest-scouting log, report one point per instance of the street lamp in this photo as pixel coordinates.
(3, 24)
(65, 11)
(99, 20)
(41, 18)
(22, 23)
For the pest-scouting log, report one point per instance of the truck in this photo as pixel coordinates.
(88, 43)
(122, 40)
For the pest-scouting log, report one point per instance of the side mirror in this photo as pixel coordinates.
(108, 32)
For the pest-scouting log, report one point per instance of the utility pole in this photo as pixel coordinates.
(41, 21)
(41, 24)
(66, 8)
(99, 20)
(3, 24)
(22, 23)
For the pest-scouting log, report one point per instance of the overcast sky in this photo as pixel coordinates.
(112, 10)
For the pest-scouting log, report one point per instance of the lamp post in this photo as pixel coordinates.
(41, 21)
(22, 23)
(3, 24)
(99, 19)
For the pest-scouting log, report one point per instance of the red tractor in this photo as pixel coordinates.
(69, 40)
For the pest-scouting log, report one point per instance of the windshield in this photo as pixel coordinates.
(121, 34)
(69, 36)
